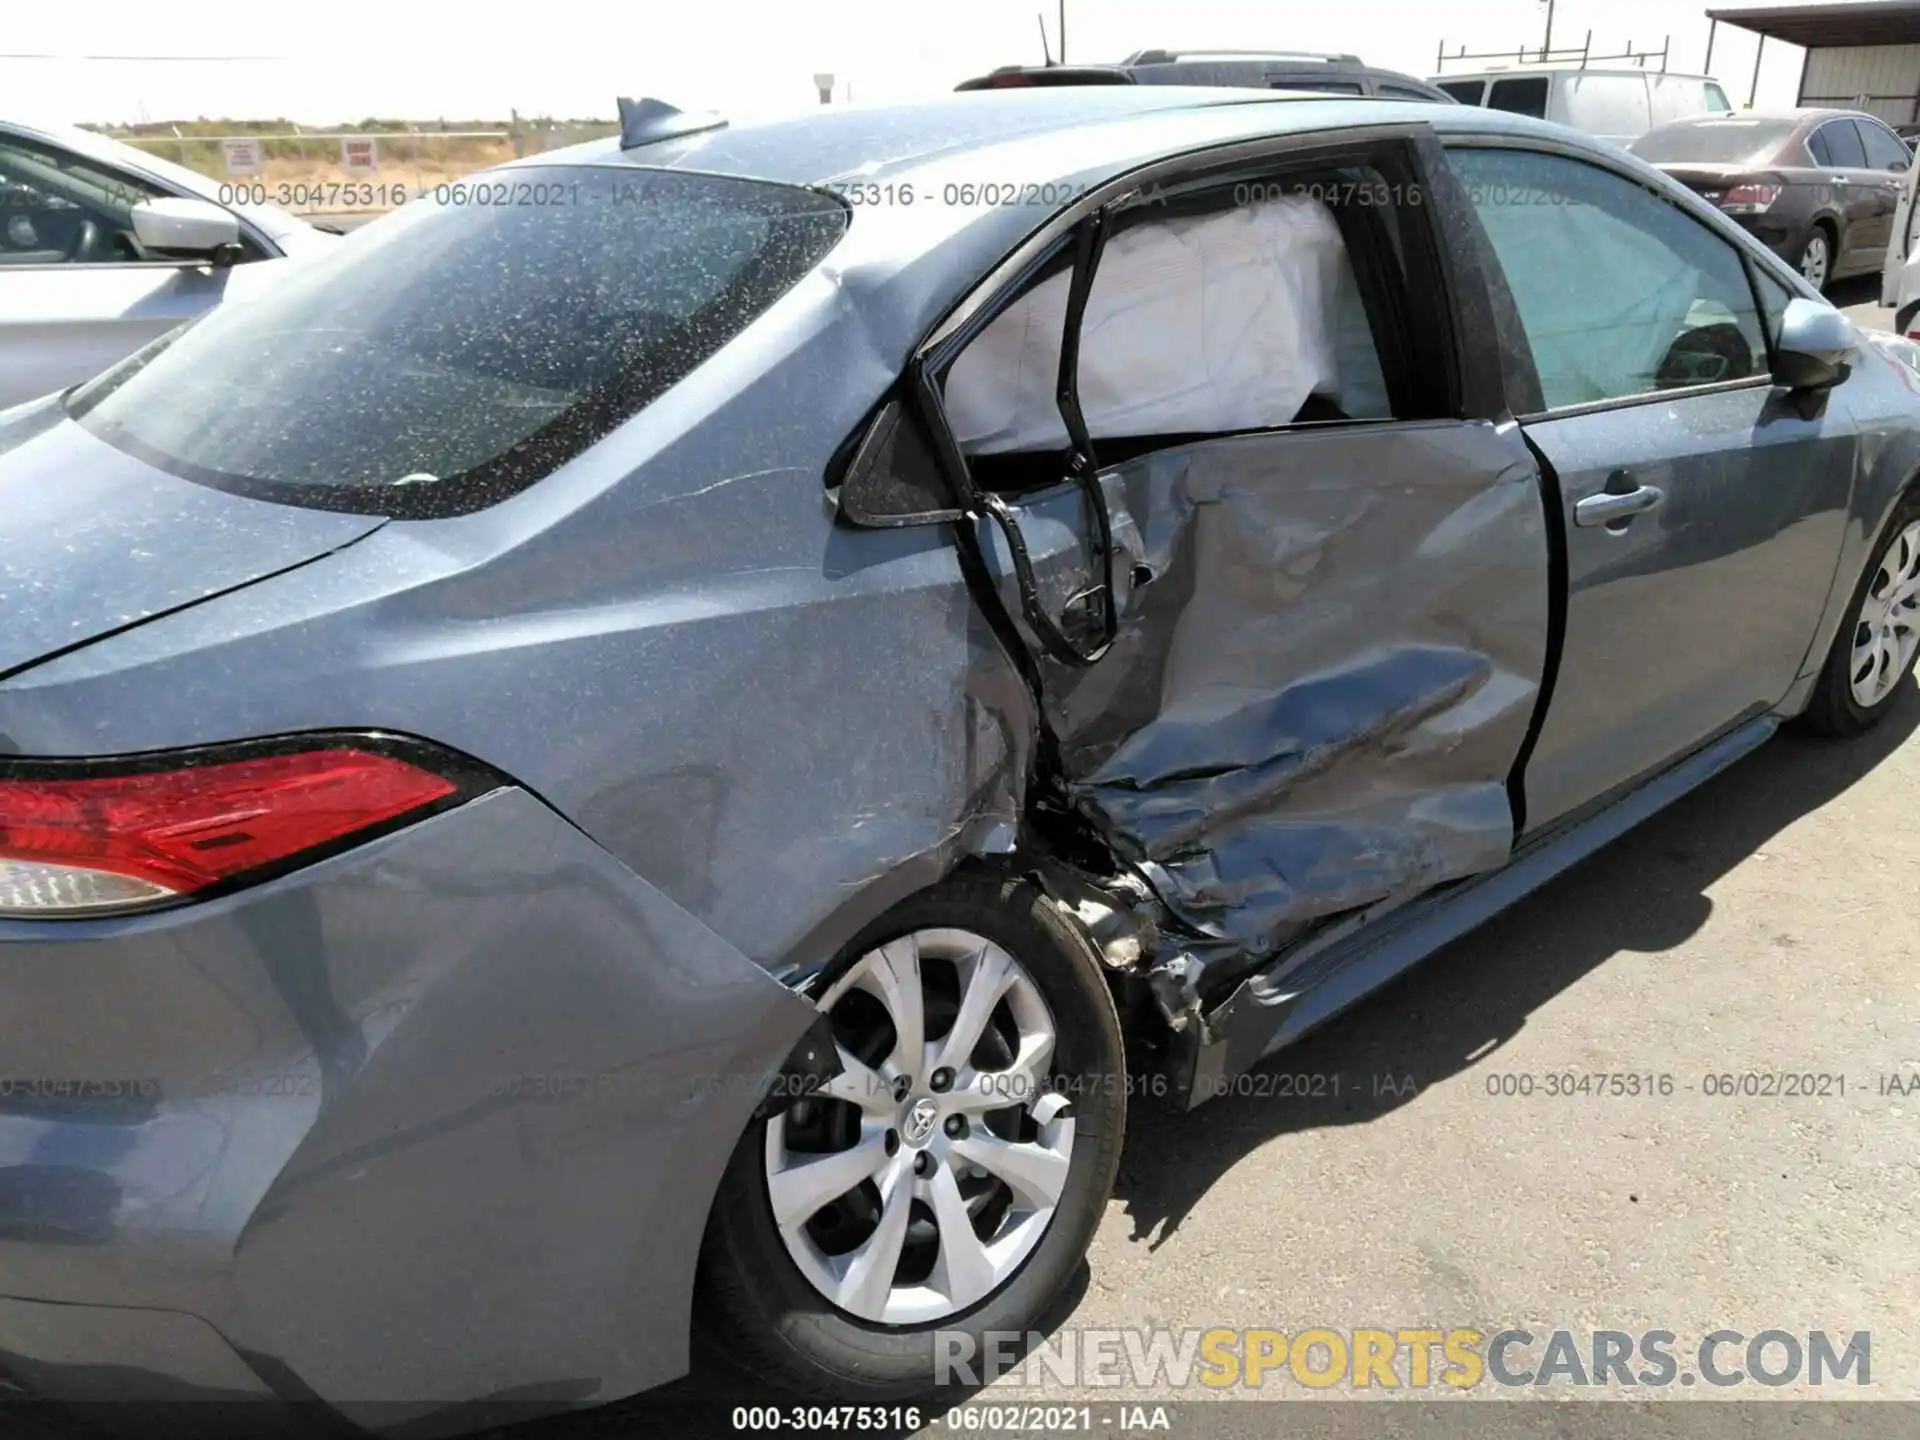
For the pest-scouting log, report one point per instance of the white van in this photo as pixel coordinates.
(1617, 105)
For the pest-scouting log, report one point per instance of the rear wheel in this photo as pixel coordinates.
(1816, 258)
(951, 1178)
(1873, 654)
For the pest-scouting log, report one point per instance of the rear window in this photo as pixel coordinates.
(1526, 96)
(456, 353)
(1467, 92)
(1714, 142)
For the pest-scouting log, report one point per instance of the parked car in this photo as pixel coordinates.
(1615, 104)
(103, 247)
(648, 747)
(1330, 74)
(1900, 272)
(1818, 187)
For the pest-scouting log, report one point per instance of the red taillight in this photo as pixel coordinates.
(1749, 199)
(96, 843)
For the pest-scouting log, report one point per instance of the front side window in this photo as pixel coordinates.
(1620, 292)
(457, 352)
(1717, 99)
(58, 209)
(1883, 147)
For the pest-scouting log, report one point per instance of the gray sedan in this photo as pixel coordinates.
(650, 739)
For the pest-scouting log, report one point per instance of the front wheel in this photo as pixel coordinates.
(1874, 652)
(951, 1178)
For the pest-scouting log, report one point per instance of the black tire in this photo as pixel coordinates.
(1833, 713)
(769, 1318)
(1831, 241)
(1903, 319)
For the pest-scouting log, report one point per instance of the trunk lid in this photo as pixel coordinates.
(94, 541)
(1710, 182)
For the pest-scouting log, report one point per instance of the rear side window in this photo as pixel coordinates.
(1837, 144)
(1525, 96)
(460, 351)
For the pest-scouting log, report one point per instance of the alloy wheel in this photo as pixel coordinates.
(1887, 631)
(1815, 261)
(915, 1184)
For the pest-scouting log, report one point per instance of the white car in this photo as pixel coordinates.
(104, 247)
(1900, 276)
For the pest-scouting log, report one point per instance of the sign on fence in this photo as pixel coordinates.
(243, 156)
(362, 156)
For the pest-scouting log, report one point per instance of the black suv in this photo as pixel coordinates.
(1259, 69)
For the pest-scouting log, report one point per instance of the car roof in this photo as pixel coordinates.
(1120, 124)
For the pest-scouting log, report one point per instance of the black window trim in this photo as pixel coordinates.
(1460, 140)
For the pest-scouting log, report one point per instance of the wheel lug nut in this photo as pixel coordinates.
(923, 1164)
(942, 1079)
(893, 1141)
(957, 1126)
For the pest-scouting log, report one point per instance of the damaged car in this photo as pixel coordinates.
(653, 742)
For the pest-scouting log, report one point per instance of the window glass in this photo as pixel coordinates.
(455, 353)
(1619, 291)
(1717, 98)
(1404, 92)
(1714, 142)
(1884, 150)
(56, 208)
(1239, 315)
(1841, 143)
(1525, 96)
(1467, 92)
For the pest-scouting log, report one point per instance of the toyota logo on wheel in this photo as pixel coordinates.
(920, 1121)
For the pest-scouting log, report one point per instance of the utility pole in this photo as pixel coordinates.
(1063, 32)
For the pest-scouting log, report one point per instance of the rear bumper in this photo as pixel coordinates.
(432, 1122)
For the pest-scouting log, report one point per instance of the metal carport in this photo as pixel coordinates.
(1861, 54)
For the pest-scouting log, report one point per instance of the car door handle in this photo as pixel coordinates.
(1609, 508)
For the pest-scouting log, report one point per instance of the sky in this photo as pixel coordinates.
(344, 60)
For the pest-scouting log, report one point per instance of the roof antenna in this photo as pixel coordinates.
(1045, 49)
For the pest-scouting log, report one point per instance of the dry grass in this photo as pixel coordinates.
(306, 175)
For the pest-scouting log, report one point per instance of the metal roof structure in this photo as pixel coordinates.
(1830, 26)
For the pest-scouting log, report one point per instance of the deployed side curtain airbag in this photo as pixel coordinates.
(1224, 321)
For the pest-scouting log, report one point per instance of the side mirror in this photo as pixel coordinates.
(1814, 343)
(176, 225)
